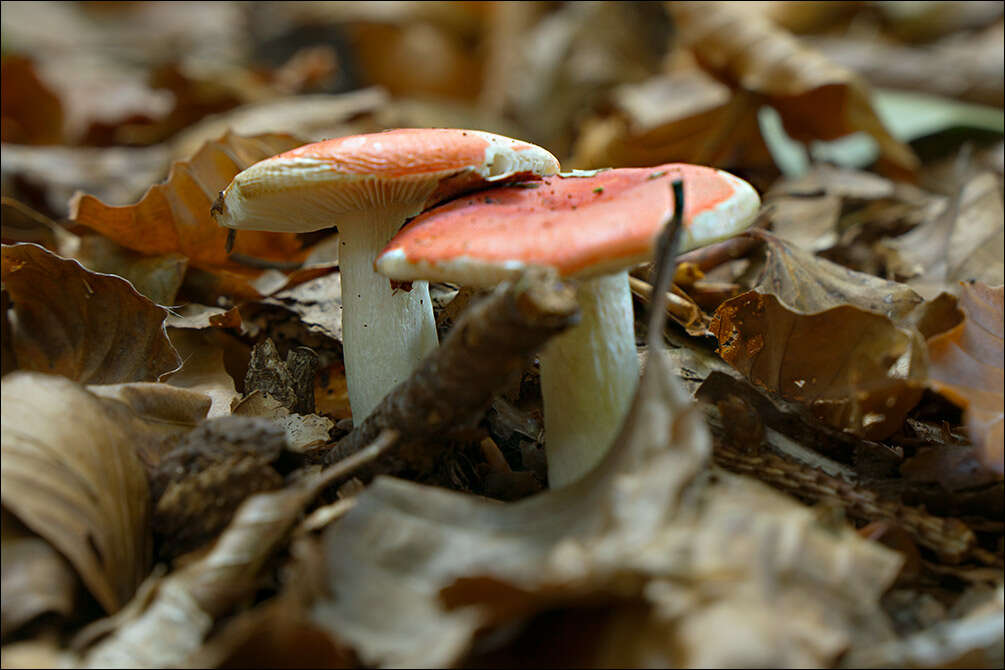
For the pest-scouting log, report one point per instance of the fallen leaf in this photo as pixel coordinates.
(42, 652)
(318, 304)
(822, 207)
(160, 413)
(303, 431)
(203, 368)
(170, 617)
(922, 23)
(811, 284)
(156, 277)
(684, 116)
(278, 633)
(90, 327)
(313, 117)
(52, 174)
(70, 473)
(963, 240)
(36, 579)
(30, 112)
(816, 98)
(198, 317)
(138, 35)
(570, 58)
(968, 367)
(969, 70)
(869, 373)
(174, 217)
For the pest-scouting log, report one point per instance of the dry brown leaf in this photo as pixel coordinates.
(968, 367)
(809, 210)
(103, 96)
(52, 174)
(168, 620)
(174, 217)
(278, 633)
(927, 21)
(569, 59)
(90, 327)
(203, 368)
(198, 317)
(970, 70)
(156, 277)
(43, 652)
(963, 240)
(415, 571)
(810, 284)
(869, 371)
(71, 474)
(159, 414)
(313, 117)
(682, 116)
(318, 304)
(303, 431)
(36, 579)
(30, 113)
(816, 98)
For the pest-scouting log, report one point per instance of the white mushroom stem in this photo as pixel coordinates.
(385, 332)
(588, 379)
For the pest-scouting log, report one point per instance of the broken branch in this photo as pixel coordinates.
(489, 344)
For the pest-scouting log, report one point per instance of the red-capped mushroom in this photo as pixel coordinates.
(368, 185)
(590, 227)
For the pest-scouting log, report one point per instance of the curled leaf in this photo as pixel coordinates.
(869, 372)
(964, 240)
(71, 474)
(168, 622)
(816, 98)
(968, 367)
(36, 579)
(174, 217)
(683, 116)
(90, 327)
(31, 112)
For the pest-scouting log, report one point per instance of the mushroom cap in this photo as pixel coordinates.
(583, 226)
(307, 188)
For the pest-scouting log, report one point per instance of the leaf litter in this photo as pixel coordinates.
(847, 354)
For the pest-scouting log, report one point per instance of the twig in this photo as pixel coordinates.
(665, 264)
(950, 539)
(488, 345)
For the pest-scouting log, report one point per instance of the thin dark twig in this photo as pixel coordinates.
(665, 263)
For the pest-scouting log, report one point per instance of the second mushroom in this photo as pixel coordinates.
(593, 228)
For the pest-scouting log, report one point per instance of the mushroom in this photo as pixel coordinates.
(593, 228)
(368, 185)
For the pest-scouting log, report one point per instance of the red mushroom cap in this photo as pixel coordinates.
(304, 188)
(582, 226)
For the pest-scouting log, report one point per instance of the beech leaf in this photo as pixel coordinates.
(71, 474)
(869, 373)
(963, 241)
(93, 328)
(174, 217)
(816, 98)
(968, 367)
